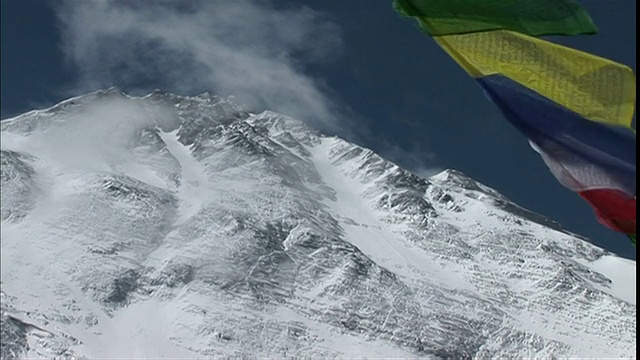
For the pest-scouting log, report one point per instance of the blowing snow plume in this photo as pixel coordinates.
(252, 50)
(259, 52)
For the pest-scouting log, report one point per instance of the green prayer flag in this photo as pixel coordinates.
(530, 17)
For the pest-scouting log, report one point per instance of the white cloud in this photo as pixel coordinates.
(258, 52)
(252, 50)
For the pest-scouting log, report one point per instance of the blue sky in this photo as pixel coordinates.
(353, 68)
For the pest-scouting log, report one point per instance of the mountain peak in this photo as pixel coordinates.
(460, 179)
(186, 226)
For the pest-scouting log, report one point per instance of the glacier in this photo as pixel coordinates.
(189, 227)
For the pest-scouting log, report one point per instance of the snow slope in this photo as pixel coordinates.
(186, 227)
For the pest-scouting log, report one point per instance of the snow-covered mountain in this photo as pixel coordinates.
(169, 226)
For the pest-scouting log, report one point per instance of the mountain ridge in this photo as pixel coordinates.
(255, 235)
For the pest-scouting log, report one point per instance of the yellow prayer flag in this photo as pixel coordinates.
(596, 88)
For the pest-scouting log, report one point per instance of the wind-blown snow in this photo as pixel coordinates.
(189, 227)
